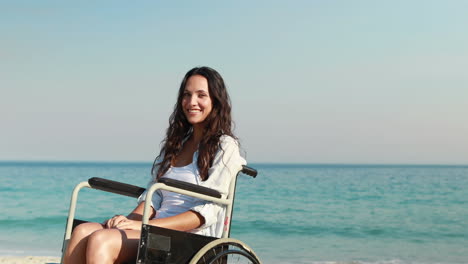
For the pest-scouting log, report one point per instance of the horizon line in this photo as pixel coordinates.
(265, 163)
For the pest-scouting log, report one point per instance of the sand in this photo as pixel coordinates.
(29, 260)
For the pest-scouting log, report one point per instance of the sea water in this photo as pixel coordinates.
(288, 214)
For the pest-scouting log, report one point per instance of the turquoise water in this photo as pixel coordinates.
(288, 214)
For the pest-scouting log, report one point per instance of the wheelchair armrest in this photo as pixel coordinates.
(115, 187)
(190, 187)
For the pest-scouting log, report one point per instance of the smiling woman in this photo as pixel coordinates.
(202, 114)
(200, 149)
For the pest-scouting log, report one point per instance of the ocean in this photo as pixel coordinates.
(288, 214)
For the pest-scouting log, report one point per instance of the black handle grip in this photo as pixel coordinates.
(249, 171)
(115, 187)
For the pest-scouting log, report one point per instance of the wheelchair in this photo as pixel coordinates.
(164, 246)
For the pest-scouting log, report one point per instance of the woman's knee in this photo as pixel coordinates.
(103, 245)
(85, 229)
(99, 237)
(113, 245)
(106, 240)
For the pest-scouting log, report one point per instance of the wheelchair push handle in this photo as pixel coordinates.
(249, 171)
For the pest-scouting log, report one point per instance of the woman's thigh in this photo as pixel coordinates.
(76, 248)
(120, 244)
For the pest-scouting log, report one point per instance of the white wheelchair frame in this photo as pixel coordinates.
(224, 246)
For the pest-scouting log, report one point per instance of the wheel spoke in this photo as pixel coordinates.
(227, 251)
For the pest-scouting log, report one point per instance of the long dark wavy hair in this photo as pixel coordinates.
(216, 124)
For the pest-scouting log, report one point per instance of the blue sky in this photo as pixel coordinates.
(310, 81)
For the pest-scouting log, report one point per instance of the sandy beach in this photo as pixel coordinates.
(28, 260)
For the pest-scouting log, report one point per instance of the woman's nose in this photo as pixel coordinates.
(193, 100)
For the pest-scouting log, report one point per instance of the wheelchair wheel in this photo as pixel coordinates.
(225, 251)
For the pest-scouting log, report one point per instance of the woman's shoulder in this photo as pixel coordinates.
(226, 141)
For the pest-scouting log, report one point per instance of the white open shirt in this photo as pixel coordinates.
(226, 164)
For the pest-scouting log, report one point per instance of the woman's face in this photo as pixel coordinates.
(196, 100)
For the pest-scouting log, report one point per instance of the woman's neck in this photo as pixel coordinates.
(197, 134)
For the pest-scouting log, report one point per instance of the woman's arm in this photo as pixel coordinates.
(226, 165)
(182, 222)
(137, 213)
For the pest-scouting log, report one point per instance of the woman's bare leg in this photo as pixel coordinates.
(76, 249)
(112, 246)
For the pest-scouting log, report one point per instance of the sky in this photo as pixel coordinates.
(355, 82)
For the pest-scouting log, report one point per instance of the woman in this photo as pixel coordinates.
(199, 148)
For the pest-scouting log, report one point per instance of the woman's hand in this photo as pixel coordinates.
(129, 224)
(114, 221)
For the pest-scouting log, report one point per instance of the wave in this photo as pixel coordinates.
(33, 222)
(37, 222)
(277, 228)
